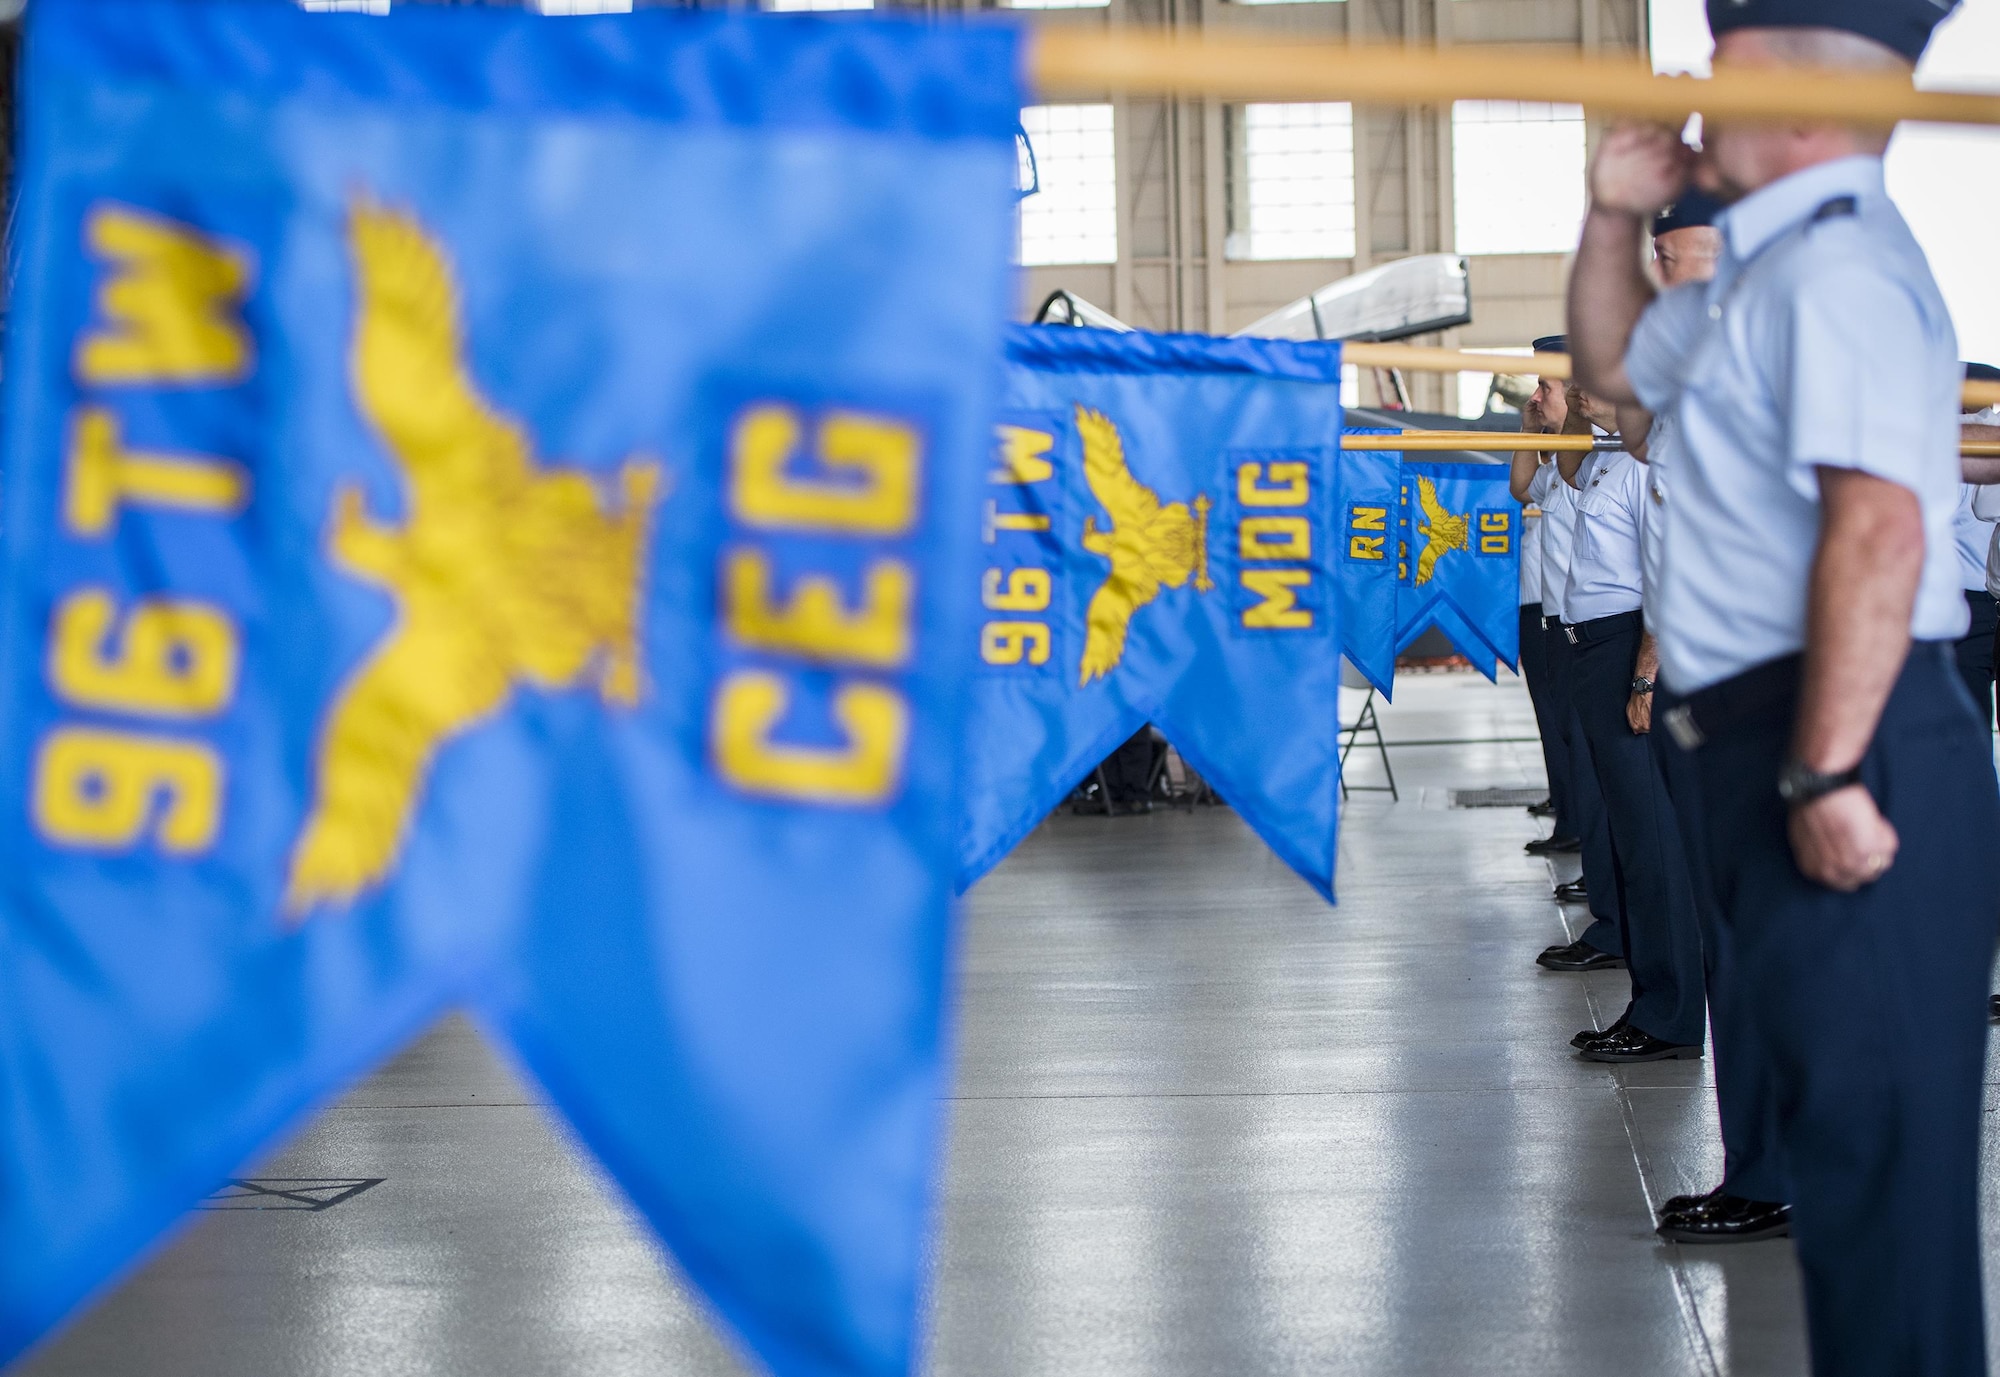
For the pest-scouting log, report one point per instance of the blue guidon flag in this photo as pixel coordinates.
(448, 561)
(1367, 558)
(1459, 560)
(1159, 546)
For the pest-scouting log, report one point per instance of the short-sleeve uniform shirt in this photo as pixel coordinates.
(1531, 557)
(1653, 537)
(1558, 503)
(1605, 560)
(1822, 342)
(1973, 534)
(1986, 505)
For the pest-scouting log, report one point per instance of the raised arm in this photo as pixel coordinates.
(1572, 462)
(1635, 428)
(1527, 462)
(1637, 170)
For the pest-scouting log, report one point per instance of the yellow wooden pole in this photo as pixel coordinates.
(1420, 359)
(1478, 440)
(1064, 62)
(1508, 441)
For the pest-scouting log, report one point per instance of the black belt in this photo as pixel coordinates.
(1756, 692)
(1601, 628)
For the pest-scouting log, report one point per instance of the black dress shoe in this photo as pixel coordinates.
(1545, 809)
(1575, 892)
(1727, 1219)
(1993, 1008)
(1579, 956)
(1678, 1204)
(1554, 846)
(1633, 1044)
(1589, 1037)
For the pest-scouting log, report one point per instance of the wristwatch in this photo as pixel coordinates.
(1642, 685)
(1800, 784)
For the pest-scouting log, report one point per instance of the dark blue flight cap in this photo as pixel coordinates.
(1694, 210)
(1552, 344)
(1981, 372)
(1903, 26)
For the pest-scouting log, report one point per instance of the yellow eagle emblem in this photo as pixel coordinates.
(1443, 531)
(1147, 544)
(502, 572)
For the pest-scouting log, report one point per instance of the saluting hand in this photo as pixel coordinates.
(1640, 169)
(1842, 841)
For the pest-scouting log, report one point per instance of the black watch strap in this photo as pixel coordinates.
(1800, 784)
(1642, 685)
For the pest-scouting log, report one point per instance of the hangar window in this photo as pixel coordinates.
(1291, 181)
(819, 4)
(1055, 4)
(1074, 217)
(1517, 176)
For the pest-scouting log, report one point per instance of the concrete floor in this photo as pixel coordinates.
(1203, 1125)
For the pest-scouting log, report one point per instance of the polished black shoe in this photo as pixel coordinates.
(1574, 892)
(1632, 1044)
(1554, 846)
(1545, 809)
(1678, 1204)
(1727, 1219)
(1993, 1008)
(1590, 1037)
(1579, 956)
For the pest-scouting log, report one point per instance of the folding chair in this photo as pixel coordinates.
(1366, 724)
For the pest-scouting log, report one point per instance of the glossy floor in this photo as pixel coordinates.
(1203, 1125)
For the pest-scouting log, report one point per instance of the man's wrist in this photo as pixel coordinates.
(1800, 784)
(1617, 215)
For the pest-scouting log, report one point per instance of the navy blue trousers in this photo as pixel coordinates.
(1873, 1009)
(1975, 650)
(1746, 1103)
(1655, 893)
(1586, 801)
(1555, 740)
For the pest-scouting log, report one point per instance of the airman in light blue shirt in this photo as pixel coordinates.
(1605, 571)
(1557, 501)
(1810, 598)
(1761, 373)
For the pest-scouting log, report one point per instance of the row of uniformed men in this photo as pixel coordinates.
(1805, 854)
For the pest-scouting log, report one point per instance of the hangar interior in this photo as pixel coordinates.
(1201, 1123)
(1477, 181)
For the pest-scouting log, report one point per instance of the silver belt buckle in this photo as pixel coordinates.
(1570, 632)
(1681, 726)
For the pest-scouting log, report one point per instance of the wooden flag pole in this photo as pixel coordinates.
(1072, 63)
(1419, 359)
(1509, 441)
